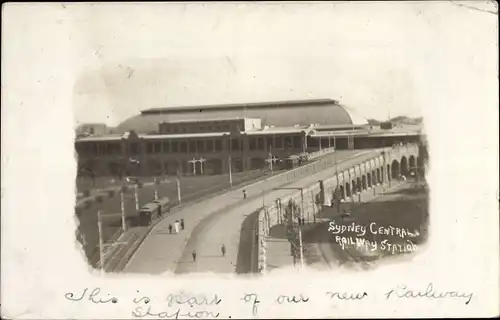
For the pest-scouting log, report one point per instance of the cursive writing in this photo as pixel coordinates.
(293, 299)
(192, 300)
(405, 293)
(93, 296)
(139, 312)
(252, 298)
(346, 295)
(143, 299)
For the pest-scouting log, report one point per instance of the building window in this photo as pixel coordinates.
(235, 144)
(192, 146)
(210, 145)
(183, 146)
(202, 129)
(175, 146)
(157, 147)
(201, 146)
(166, 145)
(149, 148)
(134, 148)
(260, 144)
(297, 141)
(270, 143)
(252, 144)
(288, 142)
(218, 145)
(278, 142)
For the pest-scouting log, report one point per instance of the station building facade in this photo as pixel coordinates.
(206, 140)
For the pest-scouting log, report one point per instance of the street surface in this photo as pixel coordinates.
(405, 206)
(211, 223)
(192, 188)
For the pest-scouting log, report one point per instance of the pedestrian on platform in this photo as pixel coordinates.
(194, 255)
(244, 194)
(170, 228)
(303, 221)
(223, 250)
(182, 224)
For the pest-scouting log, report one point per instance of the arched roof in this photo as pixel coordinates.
(279, 114)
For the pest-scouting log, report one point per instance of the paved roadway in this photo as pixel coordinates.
(405, 206)
(211, 223)
(191, 188)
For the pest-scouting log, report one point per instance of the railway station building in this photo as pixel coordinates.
(206, 140)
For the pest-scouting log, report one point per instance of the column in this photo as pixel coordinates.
(304, 143)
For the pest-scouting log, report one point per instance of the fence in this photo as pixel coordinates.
(306, 198)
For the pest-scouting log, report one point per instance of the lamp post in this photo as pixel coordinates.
(201, 161)
(193, 162)
(271, 160)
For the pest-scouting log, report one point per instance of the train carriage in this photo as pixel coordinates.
(164, 205)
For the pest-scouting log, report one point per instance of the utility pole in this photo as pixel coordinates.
(313, 206)
(302, 201)
(136, 194)
(301, 248)
(178, 190)
(122, 204)
(230, 172)
(156, 189)
(101, 242)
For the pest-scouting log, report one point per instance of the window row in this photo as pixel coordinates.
(191, 146)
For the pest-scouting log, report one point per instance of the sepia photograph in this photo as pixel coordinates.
(232, 160)
(250, 187)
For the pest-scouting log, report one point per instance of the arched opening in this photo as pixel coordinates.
(363, 182)
(348, 189)
(353, 187)
(404, 166)
(388, 172)
(412, 163)
(395, 170)
(374, 178)
(342, 193)
(379, 176)
(358, 185)
(369, 179)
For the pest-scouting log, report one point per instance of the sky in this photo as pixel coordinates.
(367, 55)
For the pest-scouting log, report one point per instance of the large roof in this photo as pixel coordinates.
(278, 113)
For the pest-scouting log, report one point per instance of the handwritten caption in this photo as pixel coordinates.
(358, 236)
(200, 306)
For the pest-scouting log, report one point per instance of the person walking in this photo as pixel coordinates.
(244, 194)
(223, 250)
(182, 224)
(194, 255)
(170, 228)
